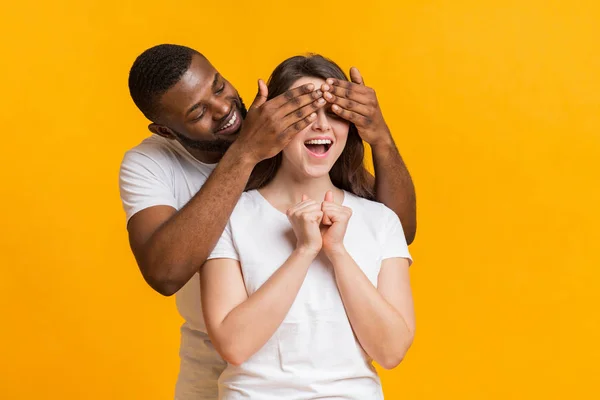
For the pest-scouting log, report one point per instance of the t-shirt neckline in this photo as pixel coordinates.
(264, 200)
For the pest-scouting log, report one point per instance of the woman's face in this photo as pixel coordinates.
(314, 150)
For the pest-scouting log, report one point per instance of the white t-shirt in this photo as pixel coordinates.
(314, 353)
(161, 172)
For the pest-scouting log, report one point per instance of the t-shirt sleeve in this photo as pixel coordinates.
(225, 247)
(143, 183)
(394, 241)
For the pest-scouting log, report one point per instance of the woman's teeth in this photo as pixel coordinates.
(318, 141)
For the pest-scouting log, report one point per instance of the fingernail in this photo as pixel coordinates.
(310, 86)
(313, 115)
(319, 93)
(325, 87)
(330, 81)
(328, 95)
(335, 108)
(321, 101)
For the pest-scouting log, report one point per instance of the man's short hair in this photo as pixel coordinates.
(154, 72)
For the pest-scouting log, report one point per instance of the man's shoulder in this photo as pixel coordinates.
(153, 147)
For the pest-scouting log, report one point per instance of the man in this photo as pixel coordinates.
(178, 199)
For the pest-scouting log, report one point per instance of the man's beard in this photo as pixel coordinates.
(213, 146)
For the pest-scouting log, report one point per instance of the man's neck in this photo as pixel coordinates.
(206, 157)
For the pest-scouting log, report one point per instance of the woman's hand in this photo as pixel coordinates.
(336, 219)
(305, 218)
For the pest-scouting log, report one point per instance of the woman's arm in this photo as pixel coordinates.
(239, 325)
(383, 317)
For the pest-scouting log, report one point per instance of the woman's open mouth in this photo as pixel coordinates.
(318, 147)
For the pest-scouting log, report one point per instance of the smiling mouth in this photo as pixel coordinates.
(230, 122)
(318, 147)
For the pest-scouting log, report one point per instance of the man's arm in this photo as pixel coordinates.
(170, 246)
(394, 187)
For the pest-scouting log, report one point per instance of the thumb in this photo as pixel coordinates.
(261, 96)
(326, 218)
(356, 77)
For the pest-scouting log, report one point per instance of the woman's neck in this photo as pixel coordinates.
(286, 189)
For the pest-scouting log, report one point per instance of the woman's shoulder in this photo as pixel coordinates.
(370, 208)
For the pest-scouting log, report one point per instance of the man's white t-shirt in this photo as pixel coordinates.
(161, 172)
(314, 353)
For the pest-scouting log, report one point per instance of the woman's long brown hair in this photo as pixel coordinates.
(348, 172)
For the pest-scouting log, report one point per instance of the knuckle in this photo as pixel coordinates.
(299, 113)
(289, 95)
(348, 93)
(350, 105)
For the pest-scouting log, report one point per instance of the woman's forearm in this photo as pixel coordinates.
(380, 328)
(247, 327)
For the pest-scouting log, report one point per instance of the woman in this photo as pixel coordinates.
(309, 282)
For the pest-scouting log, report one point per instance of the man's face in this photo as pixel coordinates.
(203, 110)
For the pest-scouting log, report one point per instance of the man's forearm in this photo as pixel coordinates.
(181, 245)
(394, 186)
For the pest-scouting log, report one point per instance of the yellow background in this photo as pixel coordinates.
(495, 107)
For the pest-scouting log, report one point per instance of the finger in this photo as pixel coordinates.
(289, 132)
(351, 116)
(341, 86)
(292, 95)
(328, 198)
(304, 197)
(301, 106)
(337, 215)
(308, 205)
(358, 96)
(316, 216)
(328, 207)
(350, 105)
(356, 77)
(261, 96)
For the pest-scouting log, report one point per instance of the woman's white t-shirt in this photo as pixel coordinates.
(314, 353)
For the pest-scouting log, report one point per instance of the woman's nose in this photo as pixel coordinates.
(322, 122)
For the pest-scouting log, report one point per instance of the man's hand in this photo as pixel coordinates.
(357, 103)
(271, 125)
